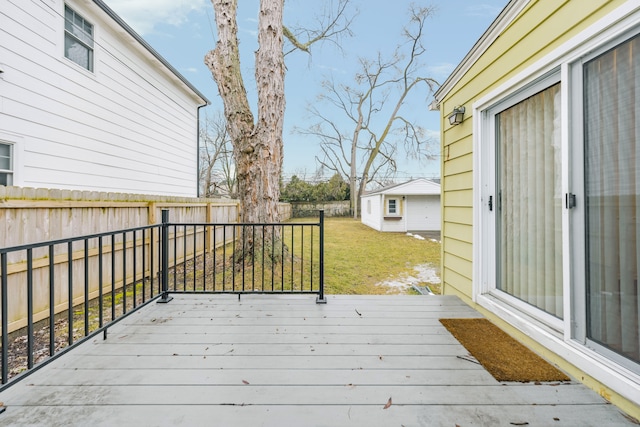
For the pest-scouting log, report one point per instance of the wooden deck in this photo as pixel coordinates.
(285, 361)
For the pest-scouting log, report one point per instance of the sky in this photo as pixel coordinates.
(183, 31)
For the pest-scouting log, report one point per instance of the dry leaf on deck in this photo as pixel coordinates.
(388, 404)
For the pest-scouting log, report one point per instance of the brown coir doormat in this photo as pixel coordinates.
(504, 357)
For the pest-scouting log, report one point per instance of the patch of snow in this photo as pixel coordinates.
(417, 236)
(423, 273)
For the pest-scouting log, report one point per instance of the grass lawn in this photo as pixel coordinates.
(358, 257)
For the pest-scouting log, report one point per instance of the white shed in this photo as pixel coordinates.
(87, 104)
(410, 206)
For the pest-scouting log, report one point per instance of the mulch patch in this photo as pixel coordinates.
(504, 357)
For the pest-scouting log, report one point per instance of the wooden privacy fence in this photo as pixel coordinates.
(38, 215)
(331, 209)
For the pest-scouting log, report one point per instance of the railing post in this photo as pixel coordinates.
(4, 299)
(321, 299)
(164, 258)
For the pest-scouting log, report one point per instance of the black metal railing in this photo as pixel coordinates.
(245, 258)
(57, 294)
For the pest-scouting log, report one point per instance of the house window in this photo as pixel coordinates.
(392, 206)
(6, 164)
(369, 206)
(78, 39)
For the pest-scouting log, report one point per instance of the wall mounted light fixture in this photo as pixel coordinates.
(456, 116)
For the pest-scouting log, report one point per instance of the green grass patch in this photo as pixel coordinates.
(358, 257)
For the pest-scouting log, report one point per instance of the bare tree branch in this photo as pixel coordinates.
(331, 26)
(372, 107)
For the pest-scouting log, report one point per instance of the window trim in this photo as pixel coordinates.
(388, 206)
(11, 171)
(90, 49)
(17, 151)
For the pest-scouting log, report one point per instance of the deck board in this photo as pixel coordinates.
(283, 360)
(276, 394)
(326, 415)
(259, 349)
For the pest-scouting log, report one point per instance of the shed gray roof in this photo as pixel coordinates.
(397, 188)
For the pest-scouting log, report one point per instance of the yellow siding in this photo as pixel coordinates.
(462, 249)
(455, 133)
(458, 198)
(456, 284)
(458, 231)
(457, 148)
(459, 181)
(458, 215)
(455, 263)
(458, 165)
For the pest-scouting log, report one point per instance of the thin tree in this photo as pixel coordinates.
(368, 151)
(257, 142)
(217, 174)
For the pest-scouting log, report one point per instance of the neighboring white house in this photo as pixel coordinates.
(87, 104)
(410, 206)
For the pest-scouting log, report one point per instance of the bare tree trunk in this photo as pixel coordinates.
(268, 146)
(355, 195)
(257, 147)
(353, 182)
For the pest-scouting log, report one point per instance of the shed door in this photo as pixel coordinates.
(423, 213)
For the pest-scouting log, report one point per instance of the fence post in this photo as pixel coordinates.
(321, 299)
(164, 258)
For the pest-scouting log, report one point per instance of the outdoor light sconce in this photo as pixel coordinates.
(456, 116)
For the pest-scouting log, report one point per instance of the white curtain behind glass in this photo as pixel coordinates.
(612, 181)
(530, 201)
